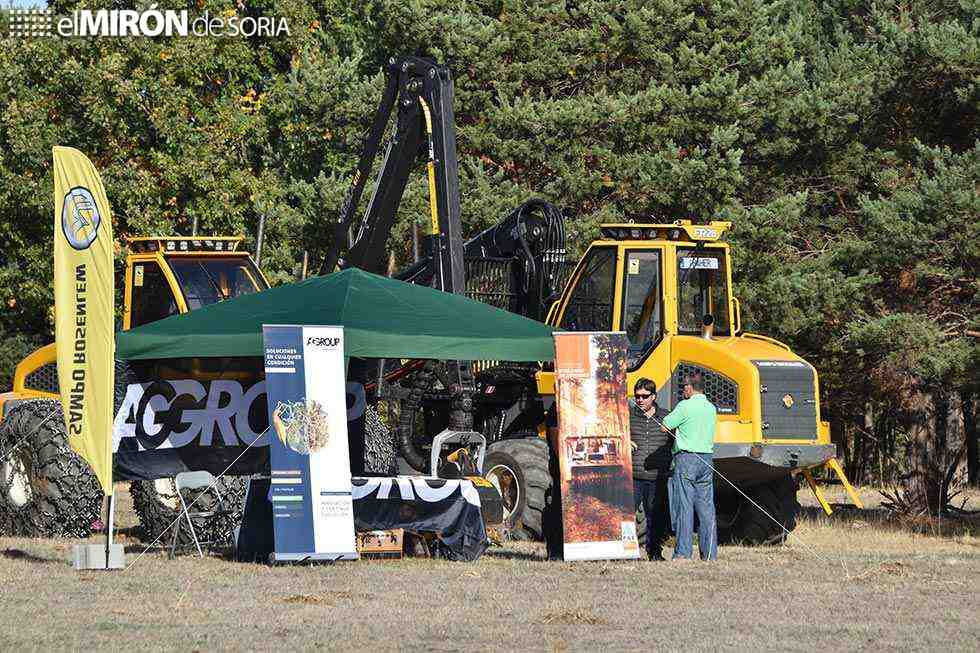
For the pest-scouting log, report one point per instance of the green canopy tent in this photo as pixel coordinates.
(382, 318)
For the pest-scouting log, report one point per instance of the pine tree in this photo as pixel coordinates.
(839, 136)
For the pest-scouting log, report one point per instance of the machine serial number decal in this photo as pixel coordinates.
(688, 263)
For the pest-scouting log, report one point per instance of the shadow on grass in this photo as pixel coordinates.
(129, 531)
(223, 552)
(20, 554)
(886, 520)
(510, 554)
(140, 548)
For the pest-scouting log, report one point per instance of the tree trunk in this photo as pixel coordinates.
(924, 478)
(970, 432)
(868, 444)
(838, 436)
(955, 439)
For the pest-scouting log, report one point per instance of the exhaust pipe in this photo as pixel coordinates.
(258, 241)
(708, 328)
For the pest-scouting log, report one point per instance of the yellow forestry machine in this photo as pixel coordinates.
(667, 285)
(45, 488)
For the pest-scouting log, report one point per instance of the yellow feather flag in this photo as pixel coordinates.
(84, 290)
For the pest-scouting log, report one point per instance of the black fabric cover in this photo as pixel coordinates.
(448, 508)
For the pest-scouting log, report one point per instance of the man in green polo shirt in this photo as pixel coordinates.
(693, 422)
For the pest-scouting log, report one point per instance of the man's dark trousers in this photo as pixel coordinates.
(652, 495)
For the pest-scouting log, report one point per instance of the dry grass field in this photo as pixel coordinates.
(853, 581)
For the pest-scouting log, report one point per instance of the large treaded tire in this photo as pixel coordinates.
(752, 526)
(433, 376)
(157, 507)
(530, 457)
(46, 489)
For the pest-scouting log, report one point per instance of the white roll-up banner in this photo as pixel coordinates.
(313, 516)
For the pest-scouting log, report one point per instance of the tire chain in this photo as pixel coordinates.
(421, 382)
(418, 384)
(155, 514)
(379, 445)
(76, 485)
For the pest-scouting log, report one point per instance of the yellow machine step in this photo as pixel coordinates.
(835, 466)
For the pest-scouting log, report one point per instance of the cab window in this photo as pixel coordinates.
(702, 290)
(590, 305)
(151, 298)
(211, 280)
(642, 304)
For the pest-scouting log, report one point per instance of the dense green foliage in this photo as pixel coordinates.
(840, 136)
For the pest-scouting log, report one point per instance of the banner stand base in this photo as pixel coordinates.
(278, 558)
(92, 556)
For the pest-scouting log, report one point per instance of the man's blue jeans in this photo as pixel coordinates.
(693, 491)
(652, 495)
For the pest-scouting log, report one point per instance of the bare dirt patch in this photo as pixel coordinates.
(572, 618)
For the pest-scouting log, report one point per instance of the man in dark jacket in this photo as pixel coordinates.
(651, 465)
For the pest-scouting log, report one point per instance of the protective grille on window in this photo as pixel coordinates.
(489, 281)
(44, 378)
(719, 389)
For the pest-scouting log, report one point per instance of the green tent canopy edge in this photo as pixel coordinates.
(382, 318)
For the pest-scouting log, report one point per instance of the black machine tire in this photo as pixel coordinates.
(46, 489)
(751, 526)
(411, 408)
(527, 459)
(157, 507)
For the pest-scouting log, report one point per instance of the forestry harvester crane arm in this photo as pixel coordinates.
(422, 91)
(516, 265)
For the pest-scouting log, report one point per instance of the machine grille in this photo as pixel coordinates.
(44, 378)
(788, 399)
(718, 388)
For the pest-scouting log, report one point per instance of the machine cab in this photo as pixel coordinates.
(652, 281)
(166, 276)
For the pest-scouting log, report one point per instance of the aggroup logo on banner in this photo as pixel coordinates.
(163, 424)
(150, 22)
(311, 491)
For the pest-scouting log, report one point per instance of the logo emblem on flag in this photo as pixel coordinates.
(80, 218)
